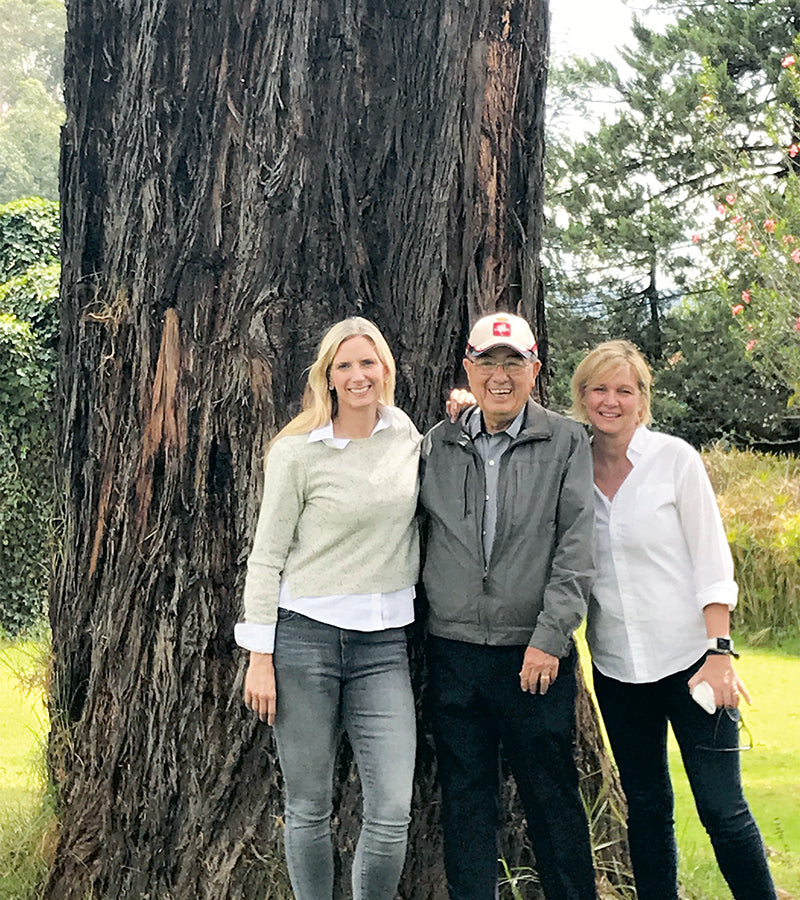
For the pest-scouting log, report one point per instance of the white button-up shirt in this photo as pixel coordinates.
(661, 556)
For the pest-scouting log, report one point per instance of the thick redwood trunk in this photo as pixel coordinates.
(235, 177)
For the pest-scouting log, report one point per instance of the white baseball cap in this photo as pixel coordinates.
(501, 330)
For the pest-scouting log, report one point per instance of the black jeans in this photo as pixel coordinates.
(477, 703)
(636, 717)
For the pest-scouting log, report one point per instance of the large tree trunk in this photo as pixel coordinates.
(236, 177)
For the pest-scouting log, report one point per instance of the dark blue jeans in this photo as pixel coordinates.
(636, 717)
(477, 703)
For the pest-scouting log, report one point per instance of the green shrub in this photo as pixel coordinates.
(32, 297)
(759, 497)
(28, 340)
(26, 452)
(29, 235)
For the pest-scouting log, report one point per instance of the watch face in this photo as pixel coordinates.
(724, 643)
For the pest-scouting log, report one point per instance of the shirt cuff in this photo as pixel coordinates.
(255, 637)
(725, 592)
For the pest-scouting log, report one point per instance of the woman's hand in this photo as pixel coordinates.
(259, 687)
(458, 400)
(718, 671)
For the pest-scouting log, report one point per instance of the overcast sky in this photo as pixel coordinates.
(588, 27)
(597, 27)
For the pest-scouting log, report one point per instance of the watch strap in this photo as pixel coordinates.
(721, 646)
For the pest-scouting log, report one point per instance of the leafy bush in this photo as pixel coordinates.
(759, 497)
(32, 298)
(707, 388)
(28, 338)
(29, 235)
(26, 449)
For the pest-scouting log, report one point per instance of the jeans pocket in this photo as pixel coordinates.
(286, 615)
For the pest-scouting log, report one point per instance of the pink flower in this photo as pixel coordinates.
(769, 226)
(736, 219)
(796, 255)
(740, 242)
(695, 238)
(746, 296)
(721, 209)
(730, 199)
(749, 345)
(793, 150)
(736, 309)
(788, 60)
(788, 239)
(797, 324)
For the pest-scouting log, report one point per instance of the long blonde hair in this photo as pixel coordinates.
(604, 358)
(319, 402)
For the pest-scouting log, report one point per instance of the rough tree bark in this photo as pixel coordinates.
(235, 177)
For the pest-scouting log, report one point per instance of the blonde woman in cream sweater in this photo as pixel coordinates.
(329, 589)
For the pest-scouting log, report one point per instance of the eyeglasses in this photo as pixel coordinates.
(514, 365)
(743, 731)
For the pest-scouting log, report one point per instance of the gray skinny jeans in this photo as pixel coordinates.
(329, 679)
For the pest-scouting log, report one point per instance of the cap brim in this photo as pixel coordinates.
(524, 353)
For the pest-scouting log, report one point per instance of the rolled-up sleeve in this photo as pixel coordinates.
(712, 563)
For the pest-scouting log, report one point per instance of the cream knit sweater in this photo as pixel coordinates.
(336, 521)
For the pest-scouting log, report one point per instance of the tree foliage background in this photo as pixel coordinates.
(31, 97)
(631, 198)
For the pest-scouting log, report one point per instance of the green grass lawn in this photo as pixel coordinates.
(23, 724)
(24, 819)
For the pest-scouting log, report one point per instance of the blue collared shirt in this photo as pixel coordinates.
(491, 447)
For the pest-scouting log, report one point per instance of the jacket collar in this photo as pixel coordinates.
(535, 428)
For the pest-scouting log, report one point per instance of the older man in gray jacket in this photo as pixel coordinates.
(507, 491)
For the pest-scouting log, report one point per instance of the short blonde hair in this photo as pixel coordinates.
(608, 357)
(319, 401)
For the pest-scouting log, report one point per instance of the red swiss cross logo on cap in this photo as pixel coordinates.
(501, 329)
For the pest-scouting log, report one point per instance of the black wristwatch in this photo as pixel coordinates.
(721, 646)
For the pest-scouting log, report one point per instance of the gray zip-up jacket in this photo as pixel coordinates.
(534, 588)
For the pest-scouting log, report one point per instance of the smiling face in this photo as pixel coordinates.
(357, 375)
(501, 393)
(613, 402)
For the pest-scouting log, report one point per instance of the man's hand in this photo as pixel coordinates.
(259, 687)
(539, 671)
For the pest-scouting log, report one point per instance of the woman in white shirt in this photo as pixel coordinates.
(329, 589)
(658, 629)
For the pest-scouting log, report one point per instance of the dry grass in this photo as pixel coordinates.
(759, 497)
